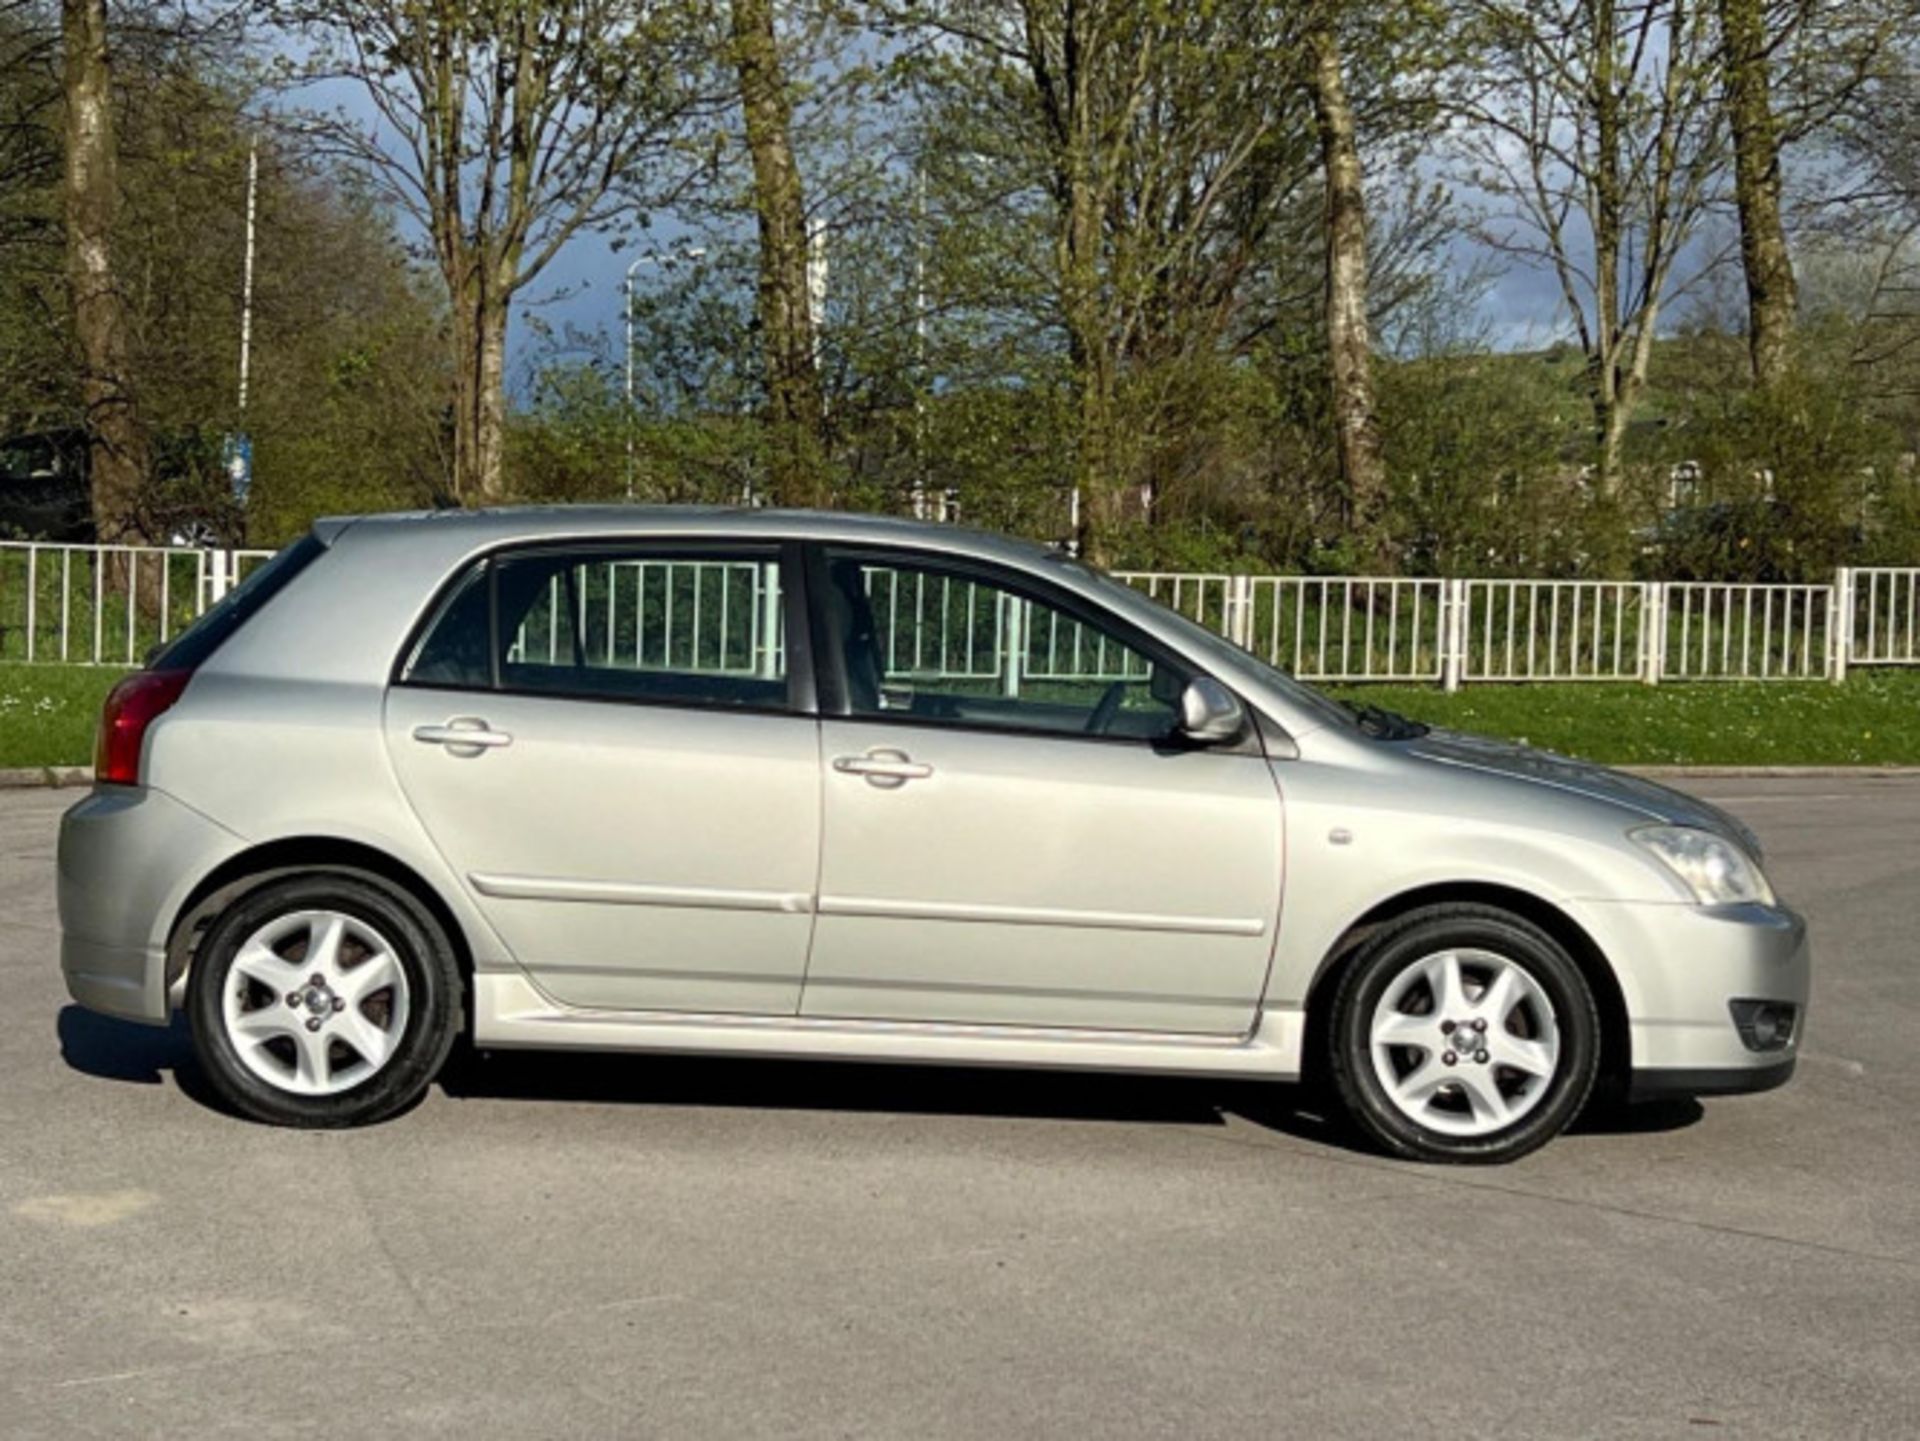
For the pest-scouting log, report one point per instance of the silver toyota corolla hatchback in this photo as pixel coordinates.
(767, 784)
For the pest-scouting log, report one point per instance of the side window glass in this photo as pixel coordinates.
(920, 641)
(648, 624)
(454, 651)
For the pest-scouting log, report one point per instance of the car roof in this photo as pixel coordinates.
(347, 620)
(506, 524)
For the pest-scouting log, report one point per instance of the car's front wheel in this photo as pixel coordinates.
(326, 999)
(1463, 1033)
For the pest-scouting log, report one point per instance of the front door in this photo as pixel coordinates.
(604, 745)
(1012, 834)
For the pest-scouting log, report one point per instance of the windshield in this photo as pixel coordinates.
(1207, 642)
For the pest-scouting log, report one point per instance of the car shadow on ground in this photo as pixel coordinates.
(608, 1079)
(122, 1051)
(145, 1055)
(754, 1084)
(116, 1050)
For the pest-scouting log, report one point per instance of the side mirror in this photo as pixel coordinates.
(1209, 714)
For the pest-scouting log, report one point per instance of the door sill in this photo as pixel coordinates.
(511, 1013)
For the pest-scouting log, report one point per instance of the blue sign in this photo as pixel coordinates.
(236, 455)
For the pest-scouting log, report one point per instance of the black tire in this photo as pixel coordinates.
(434, 1011)
(1460, 926)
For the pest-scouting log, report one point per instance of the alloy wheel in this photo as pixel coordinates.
(316, 1002)
(1464, 1042)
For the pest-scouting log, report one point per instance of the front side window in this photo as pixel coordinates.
(922, 642)
(697, 627)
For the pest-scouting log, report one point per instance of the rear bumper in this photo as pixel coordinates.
(1680, 967)
(124, 981)
(128, 859)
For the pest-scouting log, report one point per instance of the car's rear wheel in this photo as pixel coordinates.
(328, 999)
(1463, 1033)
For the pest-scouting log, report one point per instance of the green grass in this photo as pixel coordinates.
(86, 600)
(47, 716)
(48, 712)
(1873, 719)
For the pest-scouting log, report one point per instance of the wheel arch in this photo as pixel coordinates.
(252, 868)
(1616, 1046)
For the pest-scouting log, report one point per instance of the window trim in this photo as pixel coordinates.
(835, 694)
(801, 698)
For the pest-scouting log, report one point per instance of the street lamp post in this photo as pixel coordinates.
(652, 257)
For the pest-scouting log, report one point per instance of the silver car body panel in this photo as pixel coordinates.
(754, 900)
(514, 1014)
(694, 895)
(1045, 881)
(128, 860)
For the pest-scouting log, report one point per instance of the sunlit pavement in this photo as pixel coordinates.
(622, 1246)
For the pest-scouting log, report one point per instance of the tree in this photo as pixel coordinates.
(1356, 425)
(1860, 250)
(116, 439)
(1772, 295)
(347, 338)
(796, 447)
(1163, 145)
(503, 129)
(1593, 129)
(1789, 70)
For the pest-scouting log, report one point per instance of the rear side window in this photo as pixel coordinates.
(456, 650)
(643, 623)
(190, 649)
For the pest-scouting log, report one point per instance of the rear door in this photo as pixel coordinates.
(1013, 836)
(613, 748)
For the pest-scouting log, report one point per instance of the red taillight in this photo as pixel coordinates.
(131, 707)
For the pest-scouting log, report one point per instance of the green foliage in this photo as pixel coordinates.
(1873, 719)
(569, 442)
(1473, 449)
(346, 408)
(48, 713)
(1780, 485)
(949, 366)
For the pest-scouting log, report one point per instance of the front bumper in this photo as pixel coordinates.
(128, 859)
(1653, 1085)
(1679, 967)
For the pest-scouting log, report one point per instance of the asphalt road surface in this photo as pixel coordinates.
(619, 1247)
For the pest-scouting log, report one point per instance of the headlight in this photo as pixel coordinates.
(1717, 871)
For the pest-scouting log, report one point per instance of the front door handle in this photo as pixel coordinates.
(462, 735)
(888, 769)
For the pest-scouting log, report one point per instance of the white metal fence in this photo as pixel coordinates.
(106, 604)
(1335, 628)
(110, 605)
(1884, 604)
(1455, 632)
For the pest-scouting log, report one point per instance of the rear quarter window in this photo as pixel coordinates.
(190, 649)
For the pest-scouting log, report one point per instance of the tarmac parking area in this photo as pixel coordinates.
(622, 1246)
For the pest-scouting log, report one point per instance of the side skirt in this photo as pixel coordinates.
(511, 1014)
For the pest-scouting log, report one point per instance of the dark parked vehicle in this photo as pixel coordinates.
(43, 487)
(46, 492)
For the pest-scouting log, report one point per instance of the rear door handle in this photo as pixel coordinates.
(462, 733)
(885, 768)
